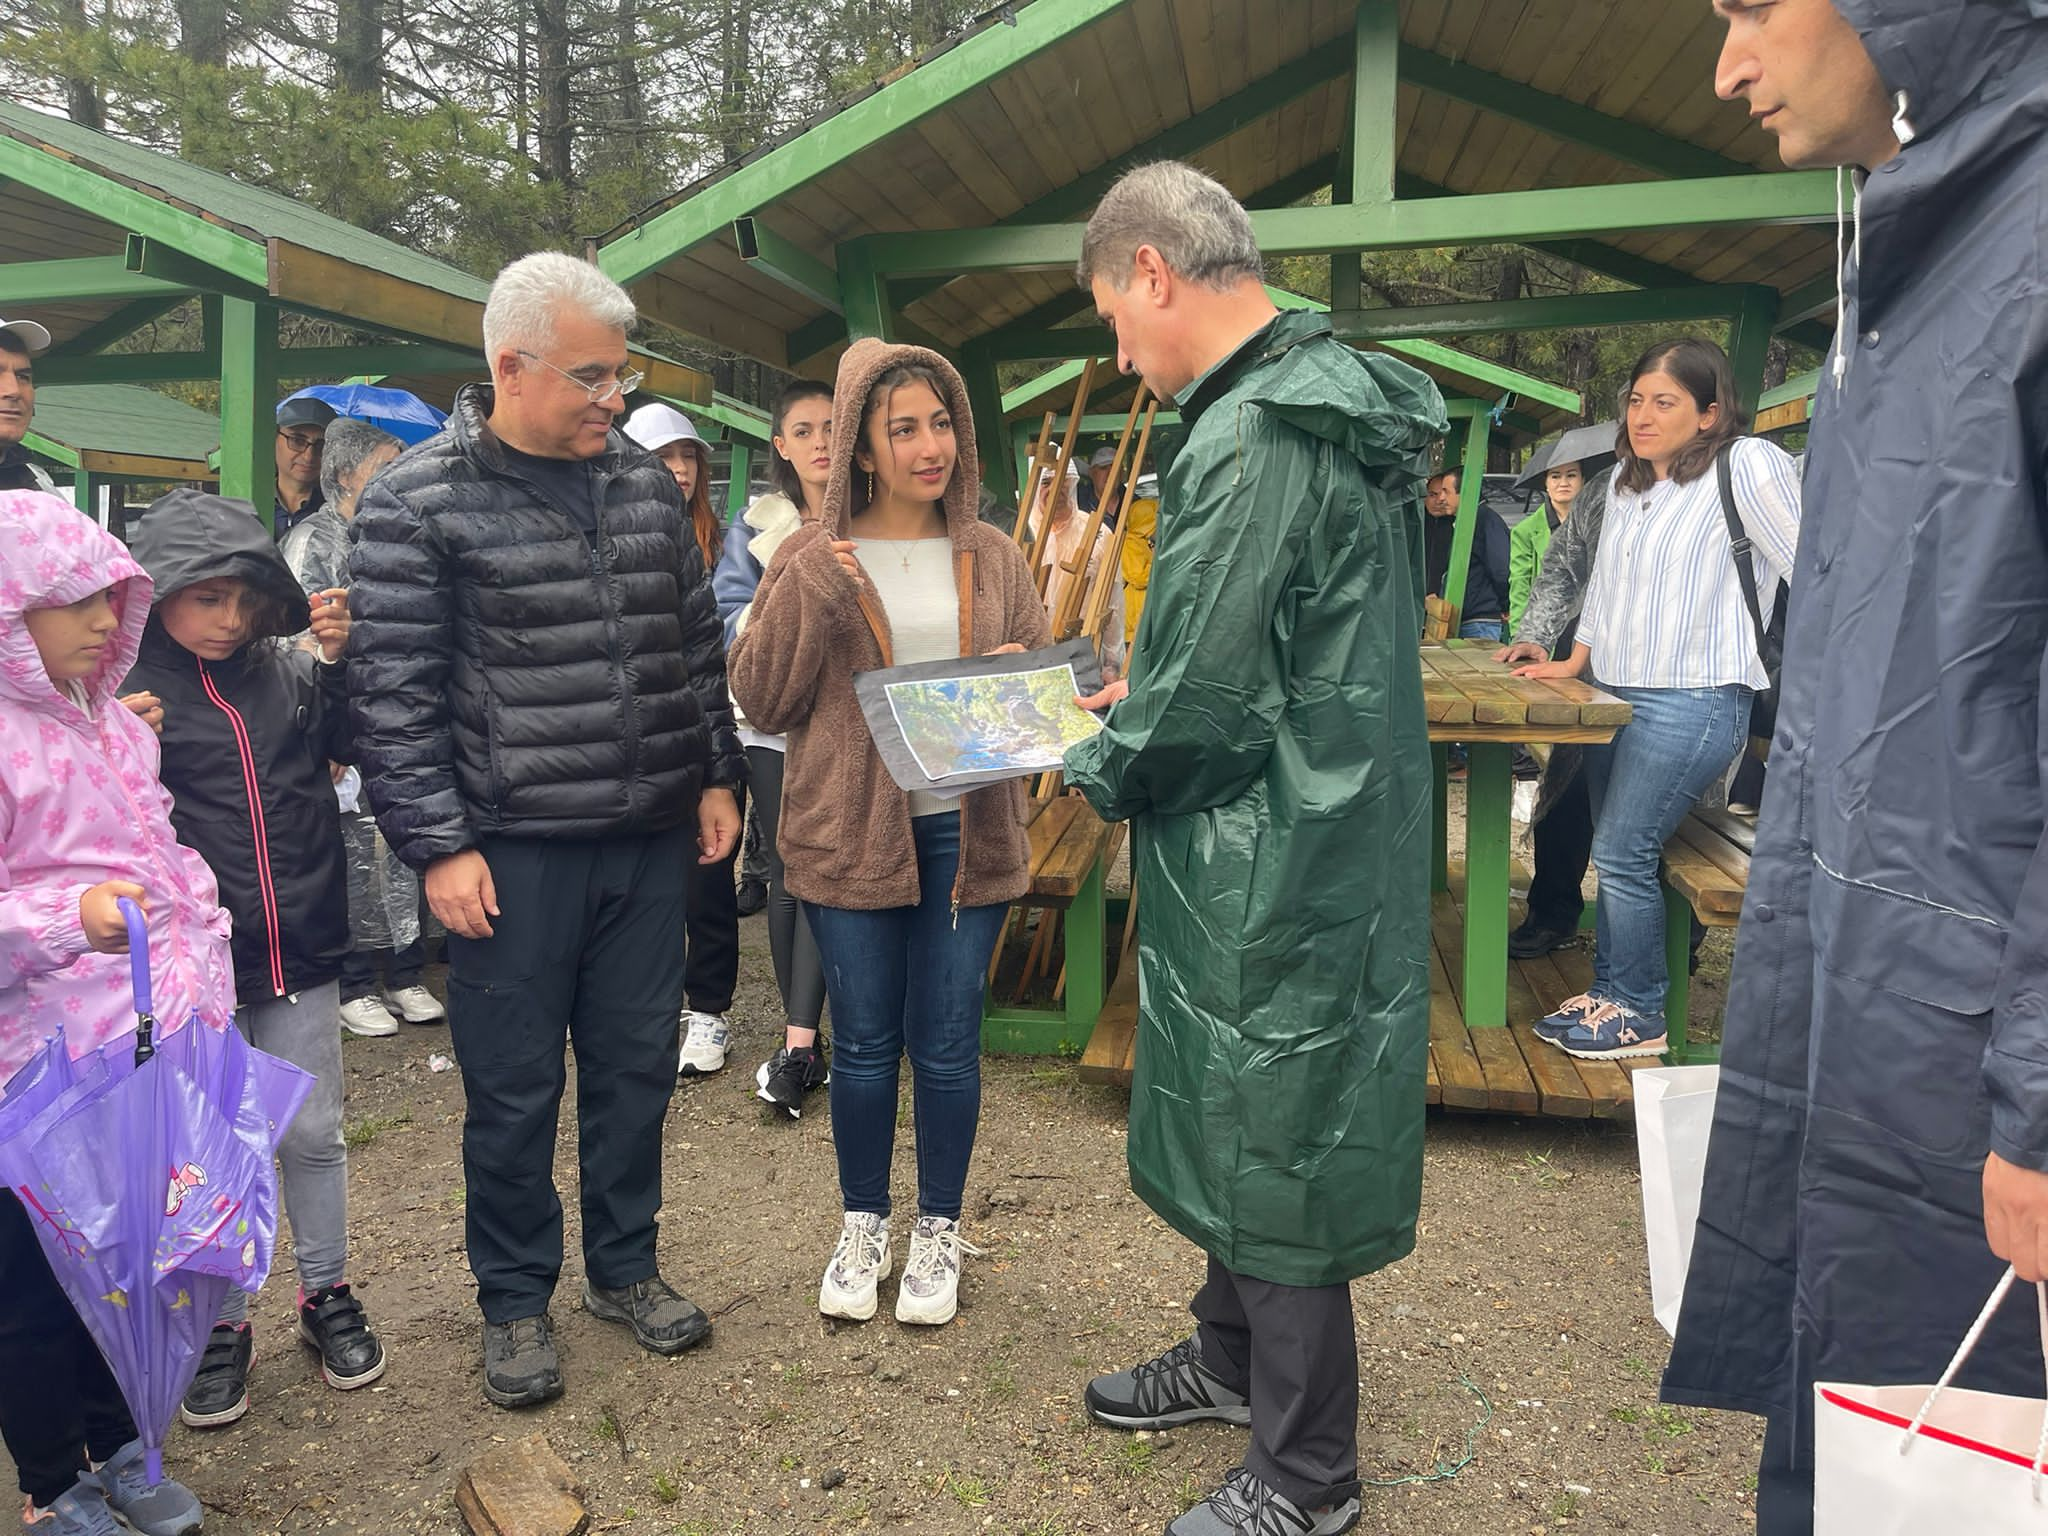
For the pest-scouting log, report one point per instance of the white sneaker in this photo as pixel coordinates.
(416, 1005)
(705, 1045)
(367, 1016)
(859, 1264)
(930, 1289)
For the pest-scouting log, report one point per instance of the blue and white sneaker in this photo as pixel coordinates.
(1570, 1014)
(1611, 1032)
(165, 1509)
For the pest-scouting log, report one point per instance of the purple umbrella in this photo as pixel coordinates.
(150, 1179)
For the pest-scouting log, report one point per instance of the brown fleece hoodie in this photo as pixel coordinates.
(845, 834)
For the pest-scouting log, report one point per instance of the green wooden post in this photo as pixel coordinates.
(863, 294)
(1477, 426)
(248, 403)
(1489, 793)
(85, 487)
(1681, 1051)
(1749, 342)
(741, 473)
(985, 397)
(1365, 157)
(1085, 979)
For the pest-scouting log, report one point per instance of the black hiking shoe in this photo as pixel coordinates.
(521, 1367)
(751, 898)
(1175, 1388)
(331, 1320)
(661, 1320)
(1533, 940)
(219, 1394)
(789, 1076)
(1246, 1506)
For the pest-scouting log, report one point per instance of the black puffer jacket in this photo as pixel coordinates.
(246, 744)
(511, 677)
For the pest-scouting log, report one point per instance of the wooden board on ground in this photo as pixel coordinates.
(1510, 1090)
(1606, 1084)
(1461, 1077)
(521, 1489)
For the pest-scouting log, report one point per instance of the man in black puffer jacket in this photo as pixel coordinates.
(537, 678)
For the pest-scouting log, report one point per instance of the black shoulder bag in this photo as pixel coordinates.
(1770, 638)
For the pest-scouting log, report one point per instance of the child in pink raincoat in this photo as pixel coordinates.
(83, 822)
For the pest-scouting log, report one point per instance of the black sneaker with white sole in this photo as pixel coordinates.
(219, 1393)
(1246, 1506)
(331, 1320)
(788, 1077)
(1175, 1388)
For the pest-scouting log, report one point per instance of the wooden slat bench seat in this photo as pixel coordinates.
(1706, 874)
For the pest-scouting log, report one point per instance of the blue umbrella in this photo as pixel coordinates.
(404, 415)
(149, 1179)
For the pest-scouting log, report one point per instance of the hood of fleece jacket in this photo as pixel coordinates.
(863, 363)
(189, 536)
(51, 555)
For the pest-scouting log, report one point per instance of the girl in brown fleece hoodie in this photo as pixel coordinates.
(905, 894)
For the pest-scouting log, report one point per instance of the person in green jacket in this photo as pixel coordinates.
(1270, 751)
(1530, 538)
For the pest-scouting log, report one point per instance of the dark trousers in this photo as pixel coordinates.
(58, 1401)
(1293, 1352)
(712, 922)
(587, 949)
(799, 973)
(361, 968)
(1564, 850)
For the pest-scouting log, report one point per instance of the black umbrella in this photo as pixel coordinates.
(1592, 448)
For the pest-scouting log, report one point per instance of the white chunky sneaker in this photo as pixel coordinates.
(415, 1004)
(367, 1016)
(930, 1290)
(859, 1264)
(704, 1044)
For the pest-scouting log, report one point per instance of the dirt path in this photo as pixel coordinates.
(1528, 1279)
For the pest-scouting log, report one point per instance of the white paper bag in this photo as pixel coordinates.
(1889, 1461)
(1674, 1115)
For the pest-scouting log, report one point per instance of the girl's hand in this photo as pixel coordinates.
(148, 708)
(106, 931)
(1549, 669)
(1012, 649)
(1111, 692)
(330, 621)
(842, 551)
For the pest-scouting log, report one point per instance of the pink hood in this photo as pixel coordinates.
(80, 804)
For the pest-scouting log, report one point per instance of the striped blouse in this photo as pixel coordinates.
(1664, 607)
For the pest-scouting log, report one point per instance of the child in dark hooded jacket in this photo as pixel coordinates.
(249, 729)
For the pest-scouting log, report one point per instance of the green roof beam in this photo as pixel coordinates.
(769, 254)
(154, 258)
(1367, 153)
(930, 87)
(128, 368)
(1640, 306)
(1484, 370)
(296, 363)
(1809, 301)
(80, 280)
(138, 212)
(1614, 137)
(123, 322)
(36, 443)
(1495, 218)
(1799, 387)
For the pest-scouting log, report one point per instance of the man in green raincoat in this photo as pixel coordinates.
(1271, 753)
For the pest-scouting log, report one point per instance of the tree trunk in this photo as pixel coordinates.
(359, 47)
(551, 66)
(82, 101)
(736, 46)
(632, 106)
(1514, 276)
(203, 31)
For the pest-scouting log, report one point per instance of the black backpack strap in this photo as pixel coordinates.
(1738, 541)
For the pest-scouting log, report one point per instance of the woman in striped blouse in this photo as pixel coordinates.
(1665, 627)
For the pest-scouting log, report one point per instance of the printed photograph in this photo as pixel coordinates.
(1012, 720)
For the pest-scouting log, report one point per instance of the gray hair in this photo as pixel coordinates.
(529, 293)
(1201, 231)
(348, 445)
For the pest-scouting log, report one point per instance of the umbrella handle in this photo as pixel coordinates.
(138, 975)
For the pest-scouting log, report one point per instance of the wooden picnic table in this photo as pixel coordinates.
(1471, 698)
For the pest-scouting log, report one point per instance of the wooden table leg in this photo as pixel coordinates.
(1489, 796)
(1440, 817)
(1086, 985)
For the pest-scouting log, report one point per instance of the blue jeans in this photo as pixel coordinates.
(1495, 630)
(1642, 783)
(908, 978)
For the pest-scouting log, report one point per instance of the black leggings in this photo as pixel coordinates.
(58, 1401)
(711, 924)
(799, 973)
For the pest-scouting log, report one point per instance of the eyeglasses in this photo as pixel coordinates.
(599, 394)
(301, 443)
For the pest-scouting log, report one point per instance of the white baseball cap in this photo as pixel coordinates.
(655, 426)
(33, 336)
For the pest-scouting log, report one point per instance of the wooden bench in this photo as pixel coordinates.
(1706, 873)
(1071, 851)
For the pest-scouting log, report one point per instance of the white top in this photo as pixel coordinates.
(914, 579)
(1664, 607)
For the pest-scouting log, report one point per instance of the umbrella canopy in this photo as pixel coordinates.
(1592, 448)
(405, 416)
(149, 1175)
